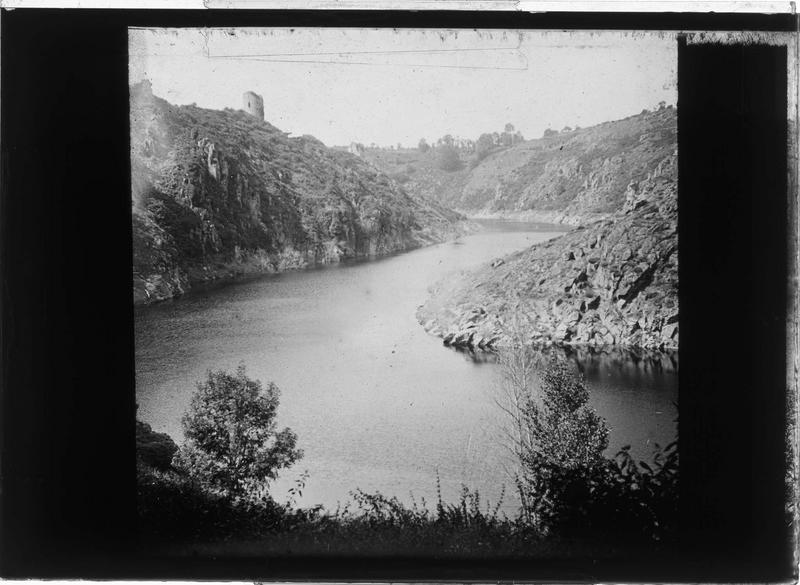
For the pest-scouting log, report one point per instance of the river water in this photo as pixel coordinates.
(377, 403)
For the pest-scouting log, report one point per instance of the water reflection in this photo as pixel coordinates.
(620, 360)
(377, 403)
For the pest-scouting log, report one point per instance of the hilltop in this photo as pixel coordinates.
(573, 176)
(222, 193)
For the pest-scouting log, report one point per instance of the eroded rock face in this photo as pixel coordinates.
(222, 193)
(611, 282)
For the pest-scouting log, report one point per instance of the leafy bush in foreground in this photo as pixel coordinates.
(617, 498)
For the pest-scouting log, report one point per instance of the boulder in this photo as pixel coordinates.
(669, 331)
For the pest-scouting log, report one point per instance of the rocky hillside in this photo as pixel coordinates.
(572, 176)
(611, 282)
(221, 193)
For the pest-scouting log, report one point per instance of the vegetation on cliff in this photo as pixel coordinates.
(570, 176)
(217, 193)
(613, 281)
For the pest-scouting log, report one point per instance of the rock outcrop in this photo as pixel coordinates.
(611, 282)
(222, 193)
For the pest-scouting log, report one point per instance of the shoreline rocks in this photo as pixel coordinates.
(613, 282)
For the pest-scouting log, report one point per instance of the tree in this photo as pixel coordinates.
(448, 159)
(564, 431)
(483, 146)
(565, 483)
(446, 140)
(423, 145)
(556, 440)
(232, 443)
(509, 128)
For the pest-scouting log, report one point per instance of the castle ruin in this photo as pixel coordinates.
(253, 104)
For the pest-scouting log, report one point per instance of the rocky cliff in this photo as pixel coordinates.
(610, 282)
(221, 193)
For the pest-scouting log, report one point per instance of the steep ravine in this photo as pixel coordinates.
(222, 193)
(611, 282)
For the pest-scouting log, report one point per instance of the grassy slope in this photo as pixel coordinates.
(571, 175)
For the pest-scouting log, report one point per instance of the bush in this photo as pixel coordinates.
(154, 449)
(232, 444)
(617, 498)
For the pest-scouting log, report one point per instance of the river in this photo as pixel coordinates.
(377, 403)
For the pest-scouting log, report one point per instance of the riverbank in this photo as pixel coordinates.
(154, 288)
(612, 282)
(567, 219)
(221, 193)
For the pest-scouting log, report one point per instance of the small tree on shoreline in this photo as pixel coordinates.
(564, 430)
(565, 482)
(558, 438)
(232, 442)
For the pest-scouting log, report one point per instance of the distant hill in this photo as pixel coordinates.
(571, 176)
(220, 193)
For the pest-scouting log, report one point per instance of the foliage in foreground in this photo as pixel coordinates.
(570, 492)
(232, 442)
(565, 483)
(173, 508)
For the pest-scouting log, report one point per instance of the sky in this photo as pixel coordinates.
(388, 86)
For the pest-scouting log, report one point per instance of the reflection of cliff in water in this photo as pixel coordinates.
(588, 360)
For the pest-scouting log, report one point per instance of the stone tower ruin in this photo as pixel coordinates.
(253, 104)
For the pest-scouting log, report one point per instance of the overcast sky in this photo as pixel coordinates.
(384, 86)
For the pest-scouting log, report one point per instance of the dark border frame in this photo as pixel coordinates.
(68, 490)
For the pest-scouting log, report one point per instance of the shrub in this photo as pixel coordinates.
(172, 506)
(232, 444)
(617, 498)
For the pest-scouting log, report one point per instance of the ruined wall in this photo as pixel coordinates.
(253, 104)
